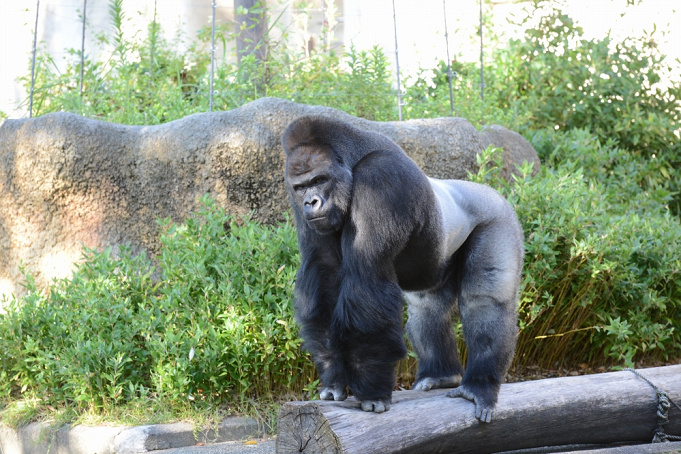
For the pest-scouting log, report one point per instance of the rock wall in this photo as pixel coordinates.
(68, 181)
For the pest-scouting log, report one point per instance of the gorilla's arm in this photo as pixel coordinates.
(368, 317)
(316, 293)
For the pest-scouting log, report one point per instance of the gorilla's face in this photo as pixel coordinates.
(320, 187)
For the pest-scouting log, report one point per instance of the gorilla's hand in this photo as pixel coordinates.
(376, 405)
(337, 393)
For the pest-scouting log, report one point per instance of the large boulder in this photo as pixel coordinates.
(68, 181)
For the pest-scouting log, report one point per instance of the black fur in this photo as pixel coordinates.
(374, 230)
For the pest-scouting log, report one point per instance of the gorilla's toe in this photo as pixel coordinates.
(377, 406)
(333, 394)
(484, 410)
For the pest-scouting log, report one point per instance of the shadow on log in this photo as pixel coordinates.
(597, 409)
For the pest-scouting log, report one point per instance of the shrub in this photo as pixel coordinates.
(363, 89)
(632, 181)
(131, 87)
(81, 344)
(226, 324)
(610, 89)
(217, 327)
(601, 278)
(427, 96)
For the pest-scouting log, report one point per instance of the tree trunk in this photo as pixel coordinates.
(589, 409)
(251, 26)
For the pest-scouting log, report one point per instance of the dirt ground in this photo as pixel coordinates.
(538, 373)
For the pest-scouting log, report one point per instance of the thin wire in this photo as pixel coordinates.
(449, 62)
(35, 43)
(397, 63)
(212, 61)
(82, 55)
(482, 76)
(151, 50)
(324, 31)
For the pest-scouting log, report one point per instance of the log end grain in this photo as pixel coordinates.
(304, 428)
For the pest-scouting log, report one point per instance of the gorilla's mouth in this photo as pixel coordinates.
(321, 224)
(321, 220)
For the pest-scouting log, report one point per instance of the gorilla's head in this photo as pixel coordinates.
(320, 186)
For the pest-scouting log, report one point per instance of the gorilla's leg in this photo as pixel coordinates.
(490, 330)
(488, 310)
(431, 333)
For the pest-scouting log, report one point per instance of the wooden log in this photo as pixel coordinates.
(589, 409)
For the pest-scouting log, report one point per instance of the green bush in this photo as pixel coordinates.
(226, 327)
(602, 277)
(610, 89)
(83, 342)
(588, 267)
(217, 327)
(632, 181)
(363, 89)
(127, 86)
(131, 87)
(427, 96)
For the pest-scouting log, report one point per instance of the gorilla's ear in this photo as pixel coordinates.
(302, 131)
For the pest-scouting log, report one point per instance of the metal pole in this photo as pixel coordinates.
(482, 75)
(35, 42)
(324, 31)
(449, 62)
(151, 50)
(82, 56)
(397, 63)
(212, 61)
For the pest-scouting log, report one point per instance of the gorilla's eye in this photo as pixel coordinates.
(319, 180)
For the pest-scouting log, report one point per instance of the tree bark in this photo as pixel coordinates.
(250, 28)
(586, 410)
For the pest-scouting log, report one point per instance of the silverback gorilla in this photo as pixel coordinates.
(374, 231)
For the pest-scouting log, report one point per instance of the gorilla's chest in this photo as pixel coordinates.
(419, 266)
(424, 262)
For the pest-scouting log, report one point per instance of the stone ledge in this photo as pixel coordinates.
(38, 438)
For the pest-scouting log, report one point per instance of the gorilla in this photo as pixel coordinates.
(375, 231)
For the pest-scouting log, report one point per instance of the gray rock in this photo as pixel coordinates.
(516, 149)
(68, 181)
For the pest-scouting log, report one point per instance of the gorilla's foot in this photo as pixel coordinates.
(333, 393)
(484, 401)
(376, 405)
(428, 383)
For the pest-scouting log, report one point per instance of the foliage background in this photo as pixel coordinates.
(207, 324)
